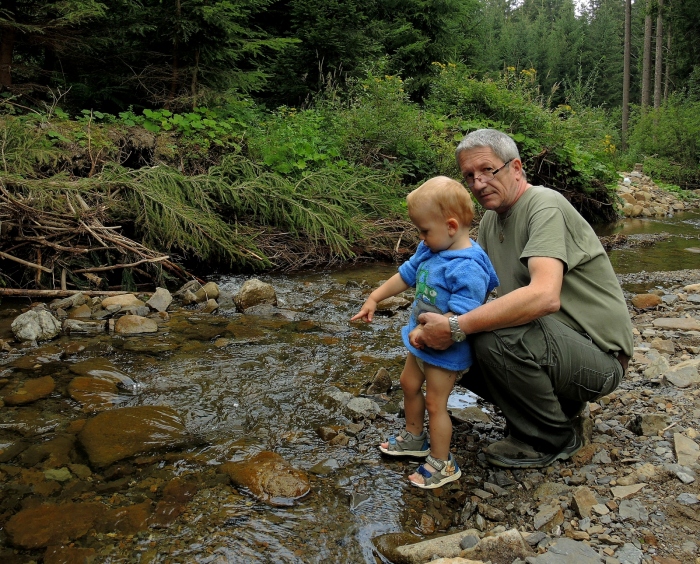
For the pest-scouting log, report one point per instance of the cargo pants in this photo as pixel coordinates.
(540, 375)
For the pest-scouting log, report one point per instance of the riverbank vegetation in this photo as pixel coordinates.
(199, 136)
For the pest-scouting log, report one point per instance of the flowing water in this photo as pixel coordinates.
(245, 384)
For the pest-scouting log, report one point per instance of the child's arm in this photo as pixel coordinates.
(395, 285)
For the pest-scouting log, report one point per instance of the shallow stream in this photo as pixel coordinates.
(245, 384)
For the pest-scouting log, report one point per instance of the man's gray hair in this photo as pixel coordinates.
(501, 144)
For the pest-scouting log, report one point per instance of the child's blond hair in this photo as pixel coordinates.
(448, 195)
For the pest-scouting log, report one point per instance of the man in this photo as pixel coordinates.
(559, 334)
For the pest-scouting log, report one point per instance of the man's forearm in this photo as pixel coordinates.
(516, 308)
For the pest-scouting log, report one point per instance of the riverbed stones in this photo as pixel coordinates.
(69, 555)
(82, 327)
(160, 300)
(506, 547)
(210, 291)
(37, 324)
(95, 394)
(28, 391)
(123, 301)
(687, 450)
(678, 323)
(270, 478)
(447, 546)
(684, 374)
(255, 292)
(52, 524)
(122, 433)
(645, 301)
(583, 500)
(135, 325)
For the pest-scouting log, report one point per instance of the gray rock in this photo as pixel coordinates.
(657, 367)
(160, 300)
(503, 547)
(566, 551)
(36, 325)
(77, 327)
(69, 302)
(687, 499)
(687, 450)
(633, 510)
(363, 408)
(629, 554)
(468, 542)
(684, 374)
(447, 546)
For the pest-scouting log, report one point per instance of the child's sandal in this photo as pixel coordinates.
(446, 471)
(410, 445)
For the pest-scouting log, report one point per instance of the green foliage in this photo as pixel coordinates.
(290, 141)
(667, 141)
(560, 147)
(24, 148)
(383, 129)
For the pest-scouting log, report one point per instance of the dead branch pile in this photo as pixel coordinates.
(63, 249)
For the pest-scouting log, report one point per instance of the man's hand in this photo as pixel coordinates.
(435, 332)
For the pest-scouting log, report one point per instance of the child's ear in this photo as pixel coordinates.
(452, 225)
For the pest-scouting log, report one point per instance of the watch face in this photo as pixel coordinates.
(458, 337)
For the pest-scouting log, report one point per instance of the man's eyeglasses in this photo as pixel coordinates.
(485, 176)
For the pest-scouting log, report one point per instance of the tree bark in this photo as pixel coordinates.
(659, 62)
(7, 46)
(626, 73)
(667, 74)
(646, 59)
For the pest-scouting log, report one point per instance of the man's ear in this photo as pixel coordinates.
(517, 166)
(452, 225)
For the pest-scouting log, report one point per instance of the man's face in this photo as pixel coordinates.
(500, 192)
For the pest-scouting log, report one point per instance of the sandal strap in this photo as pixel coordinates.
(435, 463)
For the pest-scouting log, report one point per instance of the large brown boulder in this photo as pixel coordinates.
(270, 478)
(130, 431)
(255, 292)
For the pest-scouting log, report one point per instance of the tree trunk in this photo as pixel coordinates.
(667, 74)
(7, 45)
(659, 62)
(646, 59)
(626, 73)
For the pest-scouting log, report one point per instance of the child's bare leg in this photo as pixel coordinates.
(439, 384)
(412, 379)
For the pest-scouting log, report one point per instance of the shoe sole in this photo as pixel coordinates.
(503, 462)
(400, 453)
(445, 480)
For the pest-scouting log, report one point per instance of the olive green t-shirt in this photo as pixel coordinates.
(542, 223)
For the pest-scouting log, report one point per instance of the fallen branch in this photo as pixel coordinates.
(25, 262)
(115, 266)
(59, 293)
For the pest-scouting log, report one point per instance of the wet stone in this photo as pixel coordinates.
(28, 391)
(95, 394)
(50, 524)
(135, 325)
(270, 478)
(69, 555)
(127, 520)
(255, 292)
(122, 433)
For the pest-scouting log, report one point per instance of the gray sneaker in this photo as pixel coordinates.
(512, 453)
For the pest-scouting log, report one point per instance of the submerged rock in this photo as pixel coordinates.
(51, 524)
(28, 391)
(130, 431)
(270, 478)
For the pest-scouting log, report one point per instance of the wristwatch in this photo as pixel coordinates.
(457, 334)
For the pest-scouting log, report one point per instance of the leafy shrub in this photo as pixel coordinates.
(667, 141)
